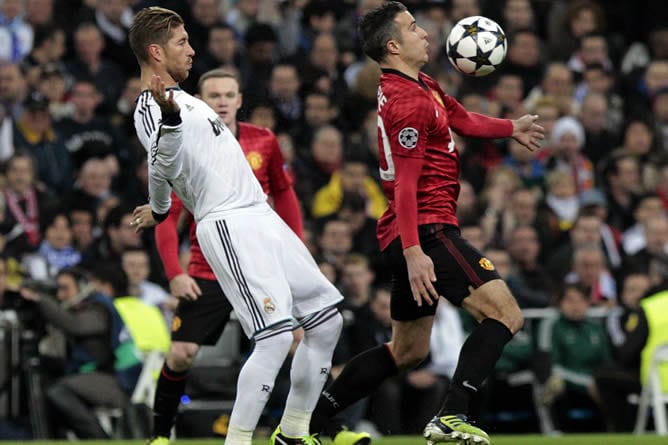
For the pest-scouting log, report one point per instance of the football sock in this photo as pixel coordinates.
(256, 381)
(237, 436)
(359, 378)
(170, 388)
(479, 353)
(310, 370)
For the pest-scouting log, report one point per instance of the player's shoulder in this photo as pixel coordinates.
(146, 115)
(254, 130)
(395, 85)
(429, 81)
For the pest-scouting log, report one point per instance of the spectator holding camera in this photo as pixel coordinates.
(101, 366)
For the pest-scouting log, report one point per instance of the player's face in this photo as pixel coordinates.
(178, 55)
(222, 94)
(413, 44)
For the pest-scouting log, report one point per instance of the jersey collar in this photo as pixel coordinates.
(400, 74)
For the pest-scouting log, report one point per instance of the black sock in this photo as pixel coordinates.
(477, 358)
(359, 378)
(171, 386)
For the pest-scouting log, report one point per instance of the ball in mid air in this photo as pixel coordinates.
(476, 46)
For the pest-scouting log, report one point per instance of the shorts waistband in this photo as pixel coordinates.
(431, 229)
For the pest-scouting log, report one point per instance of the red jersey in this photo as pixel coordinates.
(419, 164)
(264, 156)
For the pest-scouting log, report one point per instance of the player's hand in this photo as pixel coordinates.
(527, 132)
(421, 275)
(142, 218)
(165, 101)
(183, 286)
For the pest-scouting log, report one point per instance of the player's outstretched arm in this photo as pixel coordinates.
(166, 149)
(527, 132)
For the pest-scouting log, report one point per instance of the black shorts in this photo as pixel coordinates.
(202, 321)
(457, 265)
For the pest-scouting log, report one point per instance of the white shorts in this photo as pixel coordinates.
(265, 270)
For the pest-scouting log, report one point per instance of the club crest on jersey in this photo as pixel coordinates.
(254, 159)
(176, 323)
(408, 138)
(486, 264)
(269, 306)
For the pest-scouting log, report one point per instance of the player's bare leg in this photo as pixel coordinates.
(500, 318)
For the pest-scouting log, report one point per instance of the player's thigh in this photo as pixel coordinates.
(201, 321)
(311, 290)
(403, 306)
(245, 254)
(494, 300)
(410, 341)
(459, 267)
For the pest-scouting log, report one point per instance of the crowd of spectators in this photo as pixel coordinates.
(576, 225)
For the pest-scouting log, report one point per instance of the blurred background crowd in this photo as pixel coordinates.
(581, 224)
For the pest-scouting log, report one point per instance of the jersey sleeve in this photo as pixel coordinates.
(409, 120)
(165, 161)
(167, 239)
(469, 124)
(278, 176)
(406, 125)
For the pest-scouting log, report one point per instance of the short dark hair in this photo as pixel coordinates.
(79, 275)
(43, 33)
(377, 27)
(218, 73)
(114, 275)
(577, 287)
(151, 25)
(115, 216)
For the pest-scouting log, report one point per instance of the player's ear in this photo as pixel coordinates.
(155, 52)
(392, 47)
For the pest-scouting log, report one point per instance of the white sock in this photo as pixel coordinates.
(237, 436)
(310, 370)
(294, 422)
(256, 380)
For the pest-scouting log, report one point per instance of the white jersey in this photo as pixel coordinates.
(198, 157)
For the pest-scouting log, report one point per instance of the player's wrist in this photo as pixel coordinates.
(412, 251)
(159, 217)
(171, 117)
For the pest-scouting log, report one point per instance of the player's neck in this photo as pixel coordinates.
(148, 71)
(234, 128)
(403, 67)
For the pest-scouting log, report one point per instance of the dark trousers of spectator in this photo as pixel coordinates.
(400, 408)
(614, 386)
(74, 397)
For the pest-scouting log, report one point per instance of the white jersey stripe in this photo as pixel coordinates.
(226, 234)
(235, 269)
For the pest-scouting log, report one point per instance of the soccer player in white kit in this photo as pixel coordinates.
(264, 269)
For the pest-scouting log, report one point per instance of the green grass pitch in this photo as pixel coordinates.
(416, 440)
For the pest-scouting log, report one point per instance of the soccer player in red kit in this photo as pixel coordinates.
(203, 310)
(419, 234)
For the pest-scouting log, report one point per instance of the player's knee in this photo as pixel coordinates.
(513, 319)
(325, 327)
(273, 345)
(410, 356)
(181, 356)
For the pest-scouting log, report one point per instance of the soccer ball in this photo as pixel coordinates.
(476, 46)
